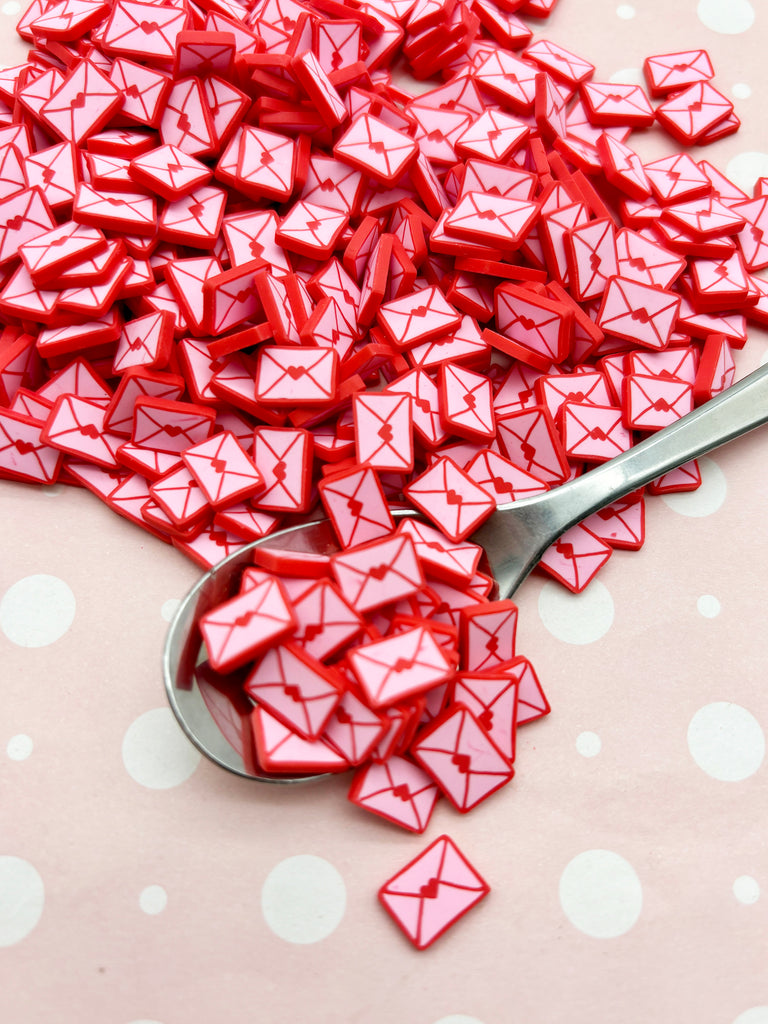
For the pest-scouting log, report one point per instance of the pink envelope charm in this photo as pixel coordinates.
(223, 469)
(146, 341)
(76, 426)
(575, 559)
(716, 371)
(169, 172)
(266, 164)
(692, 113)
(675, 179)
(376, 148)
(308, 70)
(230, 298)
(283, 457)
(144, 91)
(399, 666)
(239, 629)
(441, 559)
(508, 80)
(620, 524)
(180, 496)
(185, 122)
(432, 892)
(50, 253)
(251, 236)
(419, 317)
(467, 403)
(492, 697)
(377, 573)
(333, 184)
(531, 702)
(590, 253)
(462, 758)
(654, 402)
(487, 634)
(325, 621)
(397, 790)
(639, 313)
(493, 136)
(23, 454)
(502, 478)
(614, 103)
(641, 260)
(528, 438)
(493, 220)
(535, 324)
(356, 506)
(130, 212)
(425, 406)
(354, 730)
(280, 749)
(450, 498)
(564, 65)
(671, 72)
(383, 431)
(296, 688)
(311, 230)
(166, 425)
(140, 30)
(195, 219)
(23, 217)
(291, 376)
(83, 103)
(593, 433)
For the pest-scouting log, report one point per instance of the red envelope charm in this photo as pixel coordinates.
(508, 80)
(291, 376)
(76, 426)
(169, 172)
(558, 61)
(593, 433)
(615, 103)
(654, 402)
(50, 253)
(419, 317)
(141, 30)
(590, 253)
(639, 313)
(425, 406)
(130, 212)
(296, 688)
(242, 627)
(399, 666)
(501, 478)
(283, 457)
(146, 341)
(488, 635)
(356, 506)
(376, 149)
(529, 439)
(461, 757)
(670, 72)
(575, 559)
(535, 324)
(144, 91)
(84, 103)
(432, 892)
(280, 749)
(620, 524)
(377, 573)
(531, 702)
(311, 230)
(383, 431)
(23, 217)
(195, 219)
(223, 469)
(492, 697)
(493, 136)
(325, 621)
(690, 114)
(169, 426)
(644, 261)
(397, 790)
(466, 403)
(353, 730)
(251, 236)
(53, 171)
(674, 179)
(453, 563)
(320, 91)
(450, 498)
(23, 454)
(181, 497)
(266, 164)
(493, 220)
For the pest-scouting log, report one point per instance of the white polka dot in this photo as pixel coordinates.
(19, 747)
(303, 899)
(576, 618)
(629, 76)
(153, 899)
(169, 608)
(708, 606)
(757, 1015)
(458, 1018)
(706, 499)
(600, 894)
(11, 8)
(37, 610)
(22, 896)
(729, 17)
(625, 12)
(588, 744)
(741, 91)
(156, 753)
(726, 741)
(746, 168)
(746, 889)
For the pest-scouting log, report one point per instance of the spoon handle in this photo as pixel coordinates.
(728, 415)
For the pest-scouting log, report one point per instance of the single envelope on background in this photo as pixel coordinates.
(296, 688)
(638, 312)
(461, 757)
(377, 573)
(575, 558)
(692, 112)
(397, 790)
(399, 666)
(432, 892)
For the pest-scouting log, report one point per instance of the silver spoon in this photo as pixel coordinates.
(514, 538)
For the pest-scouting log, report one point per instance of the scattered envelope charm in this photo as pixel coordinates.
(396, 789)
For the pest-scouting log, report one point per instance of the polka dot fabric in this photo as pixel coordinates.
(626, 861)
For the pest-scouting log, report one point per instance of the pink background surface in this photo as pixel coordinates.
(227, 936)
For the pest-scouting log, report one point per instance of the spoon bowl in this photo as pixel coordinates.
(514, 539)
